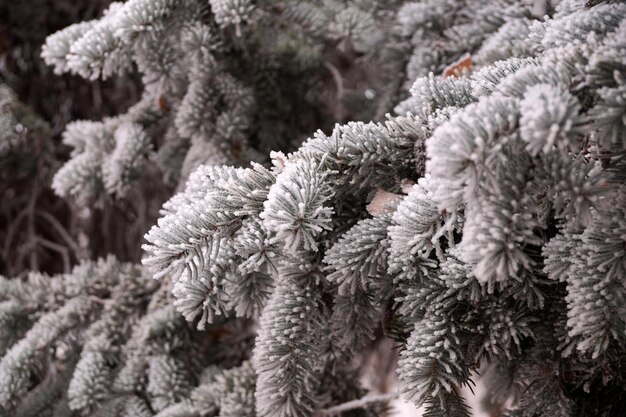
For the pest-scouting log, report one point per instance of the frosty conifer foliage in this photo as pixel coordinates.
(511, 154)
(479, 228)
(111, 335)
(294, 212)
(206, 68)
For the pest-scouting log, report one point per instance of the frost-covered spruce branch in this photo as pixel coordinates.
(106, 338)
(479, 257)
(220, 78)
(481, 225)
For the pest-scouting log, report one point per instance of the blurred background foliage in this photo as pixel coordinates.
(38, 230)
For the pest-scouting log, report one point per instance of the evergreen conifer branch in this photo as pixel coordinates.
(482, 224)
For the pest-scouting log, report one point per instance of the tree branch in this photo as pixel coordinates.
(61, 250)
(65, 235)
(359, 403)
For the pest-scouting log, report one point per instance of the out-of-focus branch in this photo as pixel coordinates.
(355, 404)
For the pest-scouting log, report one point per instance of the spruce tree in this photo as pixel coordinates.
(480, 224)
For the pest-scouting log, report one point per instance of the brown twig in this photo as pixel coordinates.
(10, 232)
(62, 250)
(32, 237)
(340, 88)
(63, 233)
(358, 403)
